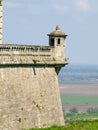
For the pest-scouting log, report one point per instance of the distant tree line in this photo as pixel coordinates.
(92, 110)
(74, 110)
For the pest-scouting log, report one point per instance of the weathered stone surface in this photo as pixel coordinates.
(23, 54)
(29, 97)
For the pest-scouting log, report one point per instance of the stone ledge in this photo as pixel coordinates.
(46, 64)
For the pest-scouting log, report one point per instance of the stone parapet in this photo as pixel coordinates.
(28, 54)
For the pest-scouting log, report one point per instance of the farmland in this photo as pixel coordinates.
(82, 96)
(80, 100)
(79, 87)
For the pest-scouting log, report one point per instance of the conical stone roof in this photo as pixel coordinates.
(57, 32)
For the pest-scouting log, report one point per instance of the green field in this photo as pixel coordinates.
(78, 125)
(80, 100)
(77, 116)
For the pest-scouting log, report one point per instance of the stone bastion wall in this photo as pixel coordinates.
(29, 98)
(29, 91)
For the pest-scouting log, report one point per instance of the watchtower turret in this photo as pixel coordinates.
(57, 39)
(0, 21)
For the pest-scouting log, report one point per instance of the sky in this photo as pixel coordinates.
(29, 22)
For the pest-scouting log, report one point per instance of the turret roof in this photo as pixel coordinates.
(57, 32)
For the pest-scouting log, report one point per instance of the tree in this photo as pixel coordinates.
(74, 110)
(92, 110)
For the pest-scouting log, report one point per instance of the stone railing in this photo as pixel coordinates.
(15, 47)
(6, 49)
(28, 54)
(11, 53)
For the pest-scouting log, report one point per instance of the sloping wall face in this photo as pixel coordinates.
(29, 97)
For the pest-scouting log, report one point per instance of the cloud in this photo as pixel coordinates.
(83, 5)
(61, 8)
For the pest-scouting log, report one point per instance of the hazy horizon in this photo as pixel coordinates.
(79, 74)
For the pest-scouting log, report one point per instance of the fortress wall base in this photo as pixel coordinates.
(29, 97)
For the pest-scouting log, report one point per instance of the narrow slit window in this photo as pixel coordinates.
(58, 40)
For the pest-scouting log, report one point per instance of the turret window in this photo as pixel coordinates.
(52, 42)
(58, 40)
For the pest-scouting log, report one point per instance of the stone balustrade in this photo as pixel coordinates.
(25, 48)
(11, 53)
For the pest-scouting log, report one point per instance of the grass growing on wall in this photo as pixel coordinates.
(78, 125)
